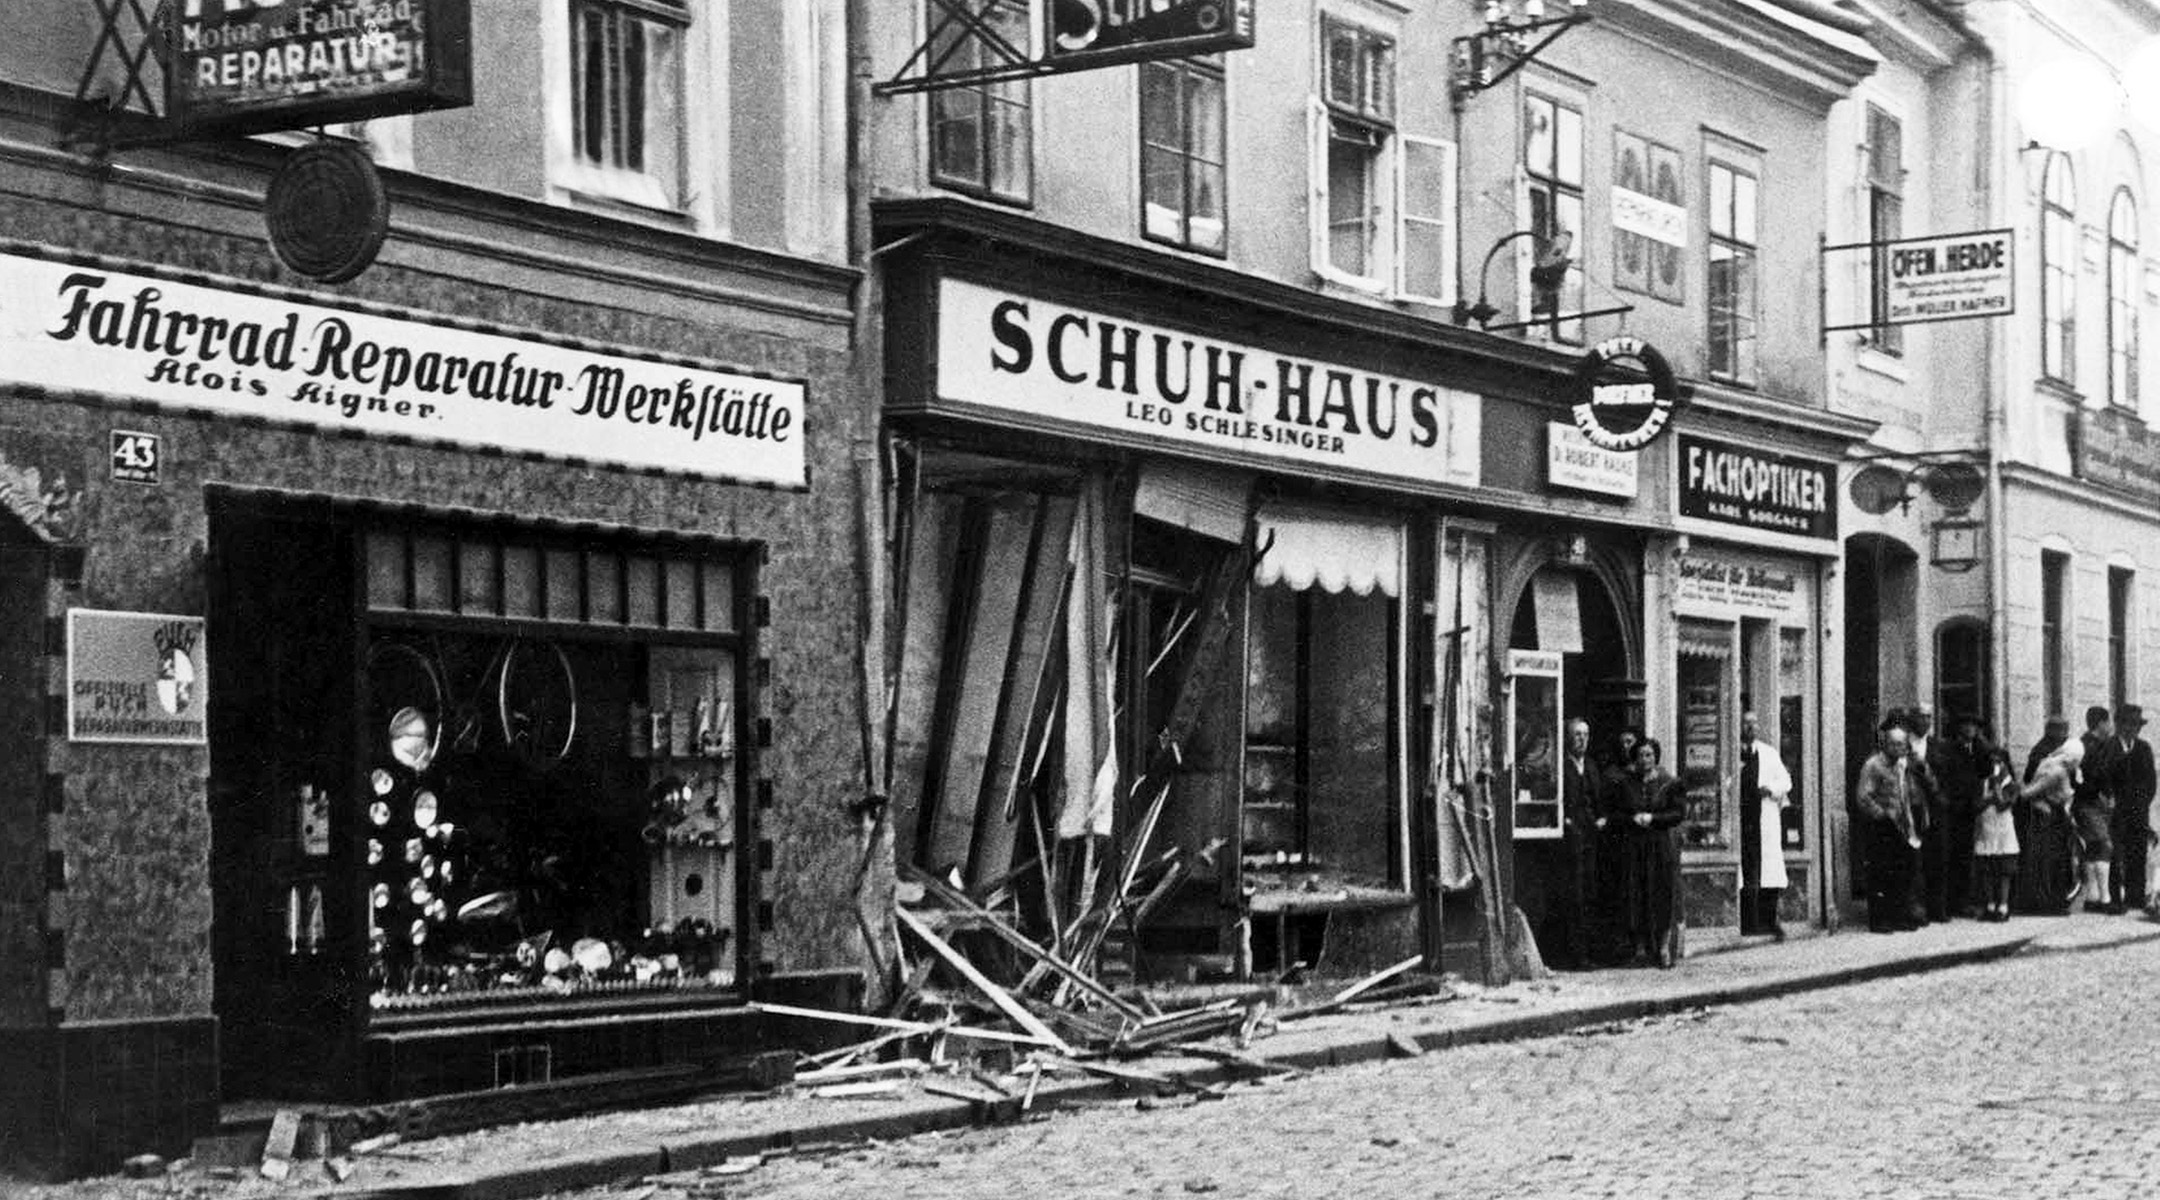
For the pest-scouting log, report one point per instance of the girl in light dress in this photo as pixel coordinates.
(1995, 843)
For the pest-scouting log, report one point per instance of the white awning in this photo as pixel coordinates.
(1336, 550)
(1210, 501)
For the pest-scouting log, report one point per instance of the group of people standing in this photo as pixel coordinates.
(1944, 827)
(1620, 828)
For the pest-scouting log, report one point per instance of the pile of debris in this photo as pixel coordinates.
(953, 1015)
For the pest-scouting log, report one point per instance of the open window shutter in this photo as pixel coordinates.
(1316, 167)
(1425, 220)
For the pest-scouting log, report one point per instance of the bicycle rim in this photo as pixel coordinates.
(536, 702)
(401, 677)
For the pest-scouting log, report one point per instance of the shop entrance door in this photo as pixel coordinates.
(280, 634)
(1572, 614)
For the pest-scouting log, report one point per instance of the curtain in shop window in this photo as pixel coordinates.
(1091, 768)
(1336, 551)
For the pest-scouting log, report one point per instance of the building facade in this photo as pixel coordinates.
(1223, 523)
(423, 683)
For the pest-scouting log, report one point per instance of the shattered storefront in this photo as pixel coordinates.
(1171, 672)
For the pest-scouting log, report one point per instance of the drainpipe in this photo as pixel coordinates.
(875, 888)
(1994, 379)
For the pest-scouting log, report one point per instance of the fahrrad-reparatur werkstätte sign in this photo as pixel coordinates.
(249, 66)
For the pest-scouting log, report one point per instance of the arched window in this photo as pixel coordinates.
(1963, 684)
(2125, 284)
(2058, 271)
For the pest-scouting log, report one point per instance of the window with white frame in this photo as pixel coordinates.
(2126, 282)
(1735, 285)
(626, 99)
(1553, 165)
(1182, 116)
(1886, 218)
(2058, 270)
(1383, 199)
(982, 136)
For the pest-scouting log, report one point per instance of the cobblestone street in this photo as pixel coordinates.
(2030, 1076)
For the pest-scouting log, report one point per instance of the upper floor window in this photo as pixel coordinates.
(1357, 98)
(1383, 199)
(1649, 218)
(1734, 291)
(2125, 281)
(1182, 115)
(982, 136)
(2058, 271)
(1886, 217)
(626, 106)
(1553, 162)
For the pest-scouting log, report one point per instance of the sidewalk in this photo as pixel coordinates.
(517, 1161)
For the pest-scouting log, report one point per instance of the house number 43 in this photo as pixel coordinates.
(136, 457)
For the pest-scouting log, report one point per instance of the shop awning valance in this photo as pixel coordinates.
(1334, 550)
(1699, 640)
(1210, 501)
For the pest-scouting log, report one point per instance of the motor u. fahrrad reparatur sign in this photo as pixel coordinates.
(237, 66)
(249, 352)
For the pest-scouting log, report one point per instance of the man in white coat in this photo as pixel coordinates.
(1765, 791)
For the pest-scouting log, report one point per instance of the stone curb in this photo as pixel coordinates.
(933, 1114)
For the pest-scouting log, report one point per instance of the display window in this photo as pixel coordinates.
(552, 778)
(1323, 657)
(1535, 735)
(1709, 699)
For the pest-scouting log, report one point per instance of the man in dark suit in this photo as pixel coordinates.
(2133, 782)
(1959, 765)
(1933, 885)
(1582, 802)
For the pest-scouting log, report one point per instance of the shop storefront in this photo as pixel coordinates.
(1569, 647)
(436, 704)
(1178, 552)
(1749, 626)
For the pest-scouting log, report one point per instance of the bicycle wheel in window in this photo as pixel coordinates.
(536, 702)
(405, 702)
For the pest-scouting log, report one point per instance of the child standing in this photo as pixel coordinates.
(1995, 843)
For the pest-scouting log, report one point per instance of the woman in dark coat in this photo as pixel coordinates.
(2043, 878)
(1645, 805)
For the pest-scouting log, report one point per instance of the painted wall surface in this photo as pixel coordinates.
(135, 833)
(2095, 536)
(785, 190)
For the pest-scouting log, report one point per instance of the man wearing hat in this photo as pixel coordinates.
(2133, 783)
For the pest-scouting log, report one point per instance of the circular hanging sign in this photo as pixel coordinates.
(1615, 410)
(327, 211)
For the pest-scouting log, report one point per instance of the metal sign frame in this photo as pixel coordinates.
(1822, 279)
(1040, 56)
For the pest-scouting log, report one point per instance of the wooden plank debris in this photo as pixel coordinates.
(998, 996)
(865, 1089)
(954, 898)
(914, 1027)
(904, 1066)
(278, 1151)
(1376, 979)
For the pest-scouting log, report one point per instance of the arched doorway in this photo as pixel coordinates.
(1576, 619)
